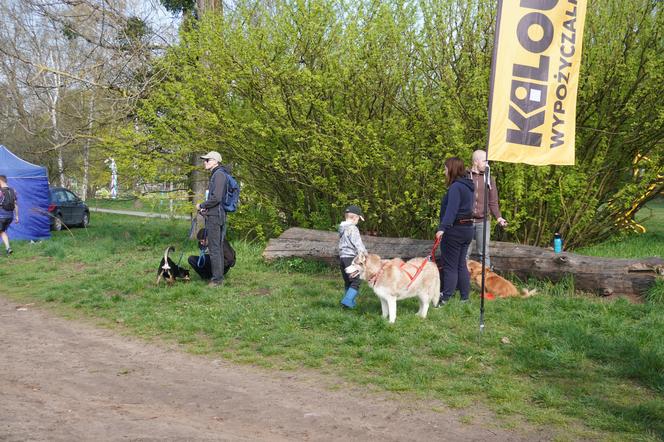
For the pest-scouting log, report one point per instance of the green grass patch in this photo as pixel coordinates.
(578, 366)
(636, 245)
(164, 203)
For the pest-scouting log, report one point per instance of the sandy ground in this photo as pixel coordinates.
(68, 380)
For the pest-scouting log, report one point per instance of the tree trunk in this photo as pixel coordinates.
(603, 276)
(204, 6)
(56, 134)
(86, 149)
(86, 170)
(198, 184)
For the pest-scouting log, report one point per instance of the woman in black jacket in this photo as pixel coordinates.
(456, 230)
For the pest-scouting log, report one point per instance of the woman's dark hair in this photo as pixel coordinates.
(455, 169)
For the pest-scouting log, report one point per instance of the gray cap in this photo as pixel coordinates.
(212, 155)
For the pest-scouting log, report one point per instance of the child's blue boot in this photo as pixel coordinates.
(349, 298)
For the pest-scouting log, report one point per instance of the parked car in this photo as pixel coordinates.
(67, 209)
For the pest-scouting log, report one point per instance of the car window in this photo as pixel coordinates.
(71, 197)
(57, 196)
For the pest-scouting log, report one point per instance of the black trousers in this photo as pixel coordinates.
(4, 223)
(205, 269)
(453, 248)
(215, 236)
(348, 281)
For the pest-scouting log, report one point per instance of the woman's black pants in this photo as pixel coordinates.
(453, 248)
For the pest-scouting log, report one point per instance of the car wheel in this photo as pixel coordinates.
(57, 223)
(86, 220)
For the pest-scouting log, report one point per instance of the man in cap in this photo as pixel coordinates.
(215, 215)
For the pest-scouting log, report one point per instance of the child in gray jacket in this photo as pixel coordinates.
(350, 245)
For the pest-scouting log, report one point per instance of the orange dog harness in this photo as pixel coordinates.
(374, 279)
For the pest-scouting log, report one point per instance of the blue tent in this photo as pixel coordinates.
(32, 194)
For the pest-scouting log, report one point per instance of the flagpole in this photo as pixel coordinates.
(487, 178)
(487, 171)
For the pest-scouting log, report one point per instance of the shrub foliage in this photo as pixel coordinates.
(323, 103)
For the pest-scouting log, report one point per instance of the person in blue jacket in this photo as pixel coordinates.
(455, 230)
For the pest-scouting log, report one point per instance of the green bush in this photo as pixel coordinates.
(321, 105)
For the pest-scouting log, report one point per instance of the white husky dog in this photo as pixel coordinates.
(394, 279)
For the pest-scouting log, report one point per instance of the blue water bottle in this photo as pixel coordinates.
(557, 243)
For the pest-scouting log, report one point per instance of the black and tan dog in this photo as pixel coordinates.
(170, 271)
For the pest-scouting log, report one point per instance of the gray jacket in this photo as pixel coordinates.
(216, 193)
(350, 242)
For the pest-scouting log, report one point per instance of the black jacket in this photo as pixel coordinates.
(457, 203)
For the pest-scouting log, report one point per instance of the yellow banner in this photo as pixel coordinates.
(534, 79)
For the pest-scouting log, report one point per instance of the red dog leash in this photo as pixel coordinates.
(436, 243)
(431, 258)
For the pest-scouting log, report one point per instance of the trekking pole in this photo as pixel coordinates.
(194, 222)
(201, 254)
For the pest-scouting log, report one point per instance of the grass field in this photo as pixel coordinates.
(577, 366)
(155, 203)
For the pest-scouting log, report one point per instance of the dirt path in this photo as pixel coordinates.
(66, 380)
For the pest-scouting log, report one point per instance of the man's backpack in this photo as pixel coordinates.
(229, 255)
(8, 198)
(232, 197)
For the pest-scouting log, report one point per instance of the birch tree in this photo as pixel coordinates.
(83, 64)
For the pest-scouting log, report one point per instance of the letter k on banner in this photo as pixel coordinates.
(534, 79)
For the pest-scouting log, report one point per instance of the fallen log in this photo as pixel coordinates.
(603, 276)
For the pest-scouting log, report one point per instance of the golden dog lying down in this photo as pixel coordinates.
(394, 279)
(494, 283)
